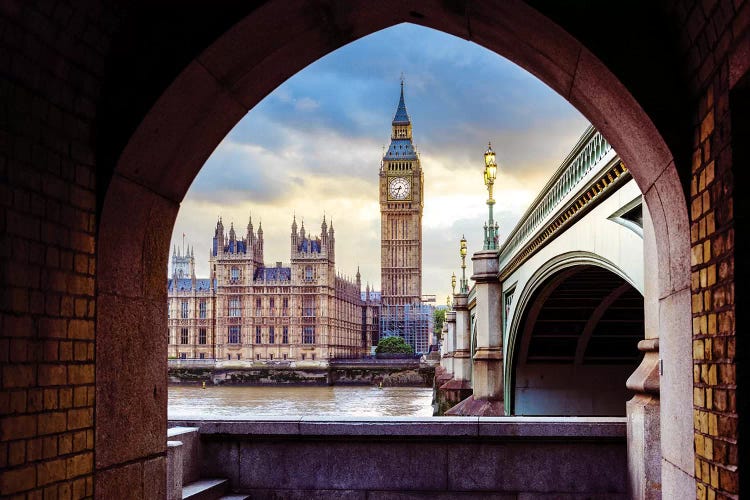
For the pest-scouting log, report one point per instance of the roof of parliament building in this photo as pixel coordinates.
(186, 284)
(277, 273)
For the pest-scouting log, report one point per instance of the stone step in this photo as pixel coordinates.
(205, 489)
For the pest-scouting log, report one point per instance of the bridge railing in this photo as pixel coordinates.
(574, 170)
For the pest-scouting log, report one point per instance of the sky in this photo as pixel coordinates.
(313, 146)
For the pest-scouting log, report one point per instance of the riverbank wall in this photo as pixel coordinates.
(375, 374)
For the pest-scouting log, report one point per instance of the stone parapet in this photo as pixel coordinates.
(512, 456)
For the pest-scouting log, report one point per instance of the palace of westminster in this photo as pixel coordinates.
(307, 311)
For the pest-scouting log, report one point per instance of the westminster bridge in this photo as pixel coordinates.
(563, 317)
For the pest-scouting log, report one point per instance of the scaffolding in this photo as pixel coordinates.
(413, 323)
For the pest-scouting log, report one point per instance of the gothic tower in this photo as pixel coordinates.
(401, 204)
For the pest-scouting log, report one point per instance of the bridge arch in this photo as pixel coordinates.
(199, 107)
(580, 374)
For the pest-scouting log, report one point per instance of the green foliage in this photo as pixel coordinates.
(393, 345)
(439, 319)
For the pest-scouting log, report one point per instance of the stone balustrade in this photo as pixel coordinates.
(440, 457)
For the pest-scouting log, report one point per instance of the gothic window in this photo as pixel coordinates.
(238, 355)
(183, 335)
(308, 273)
(169, 313)
(271, 335)
(284, 356)
(235, 273)
(308, 306)
(257, 307)
(202, 336)
(257, 335)
(285, 306)
(285, 335)
(202, 309)
(308, 335)
(235, 307)
(202, 356)
(272, 306)
(183, 355)
(184, 309)
(234, 334)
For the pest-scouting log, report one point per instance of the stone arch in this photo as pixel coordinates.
(231, 75)
(578, 367)
(555, 267)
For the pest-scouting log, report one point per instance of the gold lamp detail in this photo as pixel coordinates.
(464, 288)
(490, 174)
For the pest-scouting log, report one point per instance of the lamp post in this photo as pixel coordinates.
(453, 283)
(464, 286)
(490, 174)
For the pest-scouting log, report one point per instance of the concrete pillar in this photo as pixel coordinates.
(450, 341)
(487, 367)
(174, 470)
(644, 430)
(643, 410)
(462, 353)
(488, 356)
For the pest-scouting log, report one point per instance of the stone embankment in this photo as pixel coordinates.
(385, 374)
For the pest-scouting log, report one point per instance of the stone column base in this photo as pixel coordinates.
(478, 408)
(644, 452)
(448, 391)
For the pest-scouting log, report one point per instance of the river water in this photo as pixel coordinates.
(239, 402)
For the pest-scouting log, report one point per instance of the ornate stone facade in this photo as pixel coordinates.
(247, 311)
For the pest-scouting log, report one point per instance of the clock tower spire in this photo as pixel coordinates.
(401, 204)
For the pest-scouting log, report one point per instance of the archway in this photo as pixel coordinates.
(577, 344)
(229, 77)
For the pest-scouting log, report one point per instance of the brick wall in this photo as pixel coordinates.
(712, 33)
(51, 54)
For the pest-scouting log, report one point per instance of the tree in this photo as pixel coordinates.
(439, 318)
(393, 345)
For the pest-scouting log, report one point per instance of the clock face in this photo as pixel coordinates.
(399, 188)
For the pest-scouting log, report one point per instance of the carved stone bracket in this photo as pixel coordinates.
(645, 378)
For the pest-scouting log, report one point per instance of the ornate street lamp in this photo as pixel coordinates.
(453, 283)
(464, 288)
(490, 174)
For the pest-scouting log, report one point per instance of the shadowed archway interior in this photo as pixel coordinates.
(578, 345)
(228, 77)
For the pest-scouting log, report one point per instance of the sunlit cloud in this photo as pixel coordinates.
(313, 147)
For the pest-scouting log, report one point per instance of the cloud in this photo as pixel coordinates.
(314, 146)
(306, 104)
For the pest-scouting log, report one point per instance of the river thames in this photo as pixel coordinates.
(240, 402)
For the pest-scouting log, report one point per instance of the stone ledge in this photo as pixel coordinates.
(401, 427)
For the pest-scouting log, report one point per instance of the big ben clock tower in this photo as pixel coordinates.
(401, 203)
